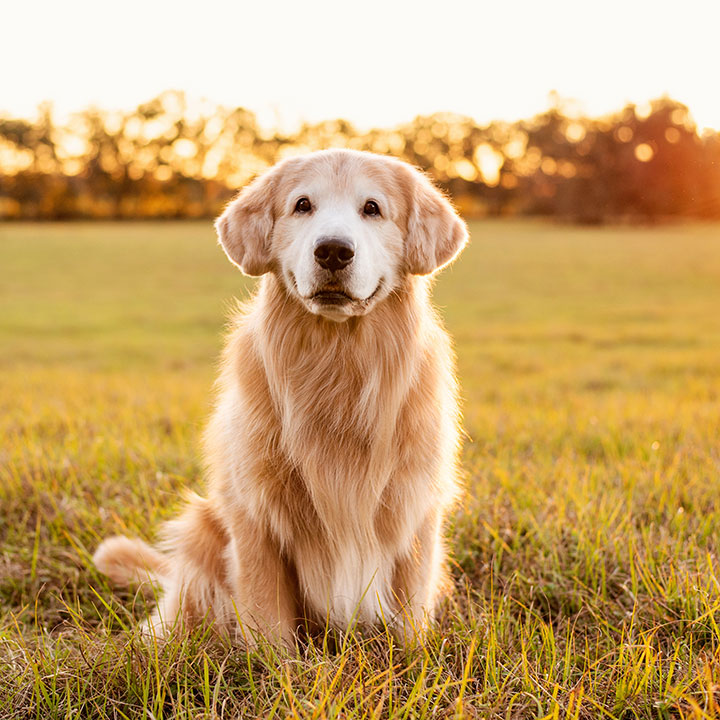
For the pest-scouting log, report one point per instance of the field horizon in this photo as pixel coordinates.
(585, 548)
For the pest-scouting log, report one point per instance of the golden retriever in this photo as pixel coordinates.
(332, 450)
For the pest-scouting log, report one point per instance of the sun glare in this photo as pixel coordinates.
(514, 122)
(644, 152)
(489, 162)
(314, 69)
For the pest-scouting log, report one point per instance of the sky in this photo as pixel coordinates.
(375, 62)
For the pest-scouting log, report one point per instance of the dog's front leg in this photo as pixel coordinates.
(420, 577)
(261, 583)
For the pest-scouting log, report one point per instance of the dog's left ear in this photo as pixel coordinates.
(436, 234)
(245, 228)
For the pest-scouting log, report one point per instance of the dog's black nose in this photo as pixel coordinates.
(333, 253)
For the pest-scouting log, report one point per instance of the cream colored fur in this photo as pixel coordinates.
(332, 450)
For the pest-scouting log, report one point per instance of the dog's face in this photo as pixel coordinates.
(337, 246)
(340, 229)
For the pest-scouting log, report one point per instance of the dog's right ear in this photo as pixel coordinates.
(245, 228)
(436, 233)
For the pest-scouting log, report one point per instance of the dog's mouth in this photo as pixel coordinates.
(332, 294)
(332, 300)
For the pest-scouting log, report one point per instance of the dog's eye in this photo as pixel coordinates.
(303, 205)
(371, 208)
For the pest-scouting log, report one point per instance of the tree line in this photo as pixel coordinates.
(172, 159)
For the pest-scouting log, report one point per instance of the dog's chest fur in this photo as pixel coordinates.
(344, 458)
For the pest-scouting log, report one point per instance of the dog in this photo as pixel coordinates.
(332, 451)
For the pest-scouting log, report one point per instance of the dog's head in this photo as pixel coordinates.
(341, 228)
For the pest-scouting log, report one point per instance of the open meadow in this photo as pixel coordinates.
(586, 547)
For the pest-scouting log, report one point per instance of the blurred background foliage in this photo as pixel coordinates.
(170, 158)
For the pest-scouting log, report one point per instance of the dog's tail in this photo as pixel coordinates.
(129, 560)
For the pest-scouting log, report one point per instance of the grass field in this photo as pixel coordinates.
(586, 549)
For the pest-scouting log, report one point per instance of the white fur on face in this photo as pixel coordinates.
(337, 212)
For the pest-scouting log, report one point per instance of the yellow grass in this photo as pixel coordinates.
(586, 547)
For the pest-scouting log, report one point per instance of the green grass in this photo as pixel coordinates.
(586, 549)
